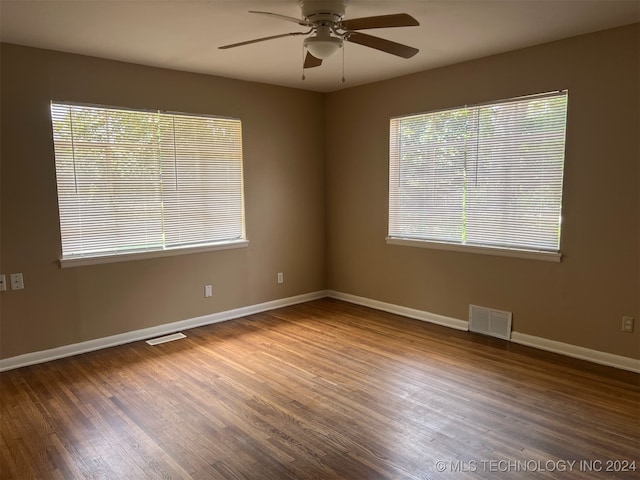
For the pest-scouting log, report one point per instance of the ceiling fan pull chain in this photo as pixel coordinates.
(303, 49)
(343, 79)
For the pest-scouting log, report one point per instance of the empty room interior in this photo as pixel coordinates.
(381, 300)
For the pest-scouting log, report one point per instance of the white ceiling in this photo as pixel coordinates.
(185, 34)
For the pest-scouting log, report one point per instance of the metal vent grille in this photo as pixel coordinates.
(496, 323)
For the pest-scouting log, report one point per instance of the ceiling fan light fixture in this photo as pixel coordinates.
(322, 48)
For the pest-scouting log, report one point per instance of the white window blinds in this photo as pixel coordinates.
(485, 175)
(138, 181)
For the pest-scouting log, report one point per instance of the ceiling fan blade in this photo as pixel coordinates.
(310, 61)
(239, 44)
(299, 21)
(380, 21)
(378, 43)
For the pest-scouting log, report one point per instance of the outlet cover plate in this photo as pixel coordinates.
(17, 283)
(627, 324)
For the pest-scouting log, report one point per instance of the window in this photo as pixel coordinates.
(138, 183)
(486, 176)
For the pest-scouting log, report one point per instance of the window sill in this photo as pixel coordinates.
(125, 257)
(501, 252)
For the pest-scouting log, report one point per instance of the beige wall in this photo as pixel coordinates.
(291, 207)
(580, 301)
(284, 196)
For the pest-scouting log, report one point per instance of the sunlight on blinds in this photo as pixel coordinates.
(485, 175)
(136, 181)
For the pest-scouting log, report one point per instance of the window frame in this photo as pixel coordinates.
(505, 251)
(168, 252)
(92, 258)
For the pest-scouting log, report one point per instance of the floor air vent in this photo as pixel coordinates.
(166, 338)
(490, 322)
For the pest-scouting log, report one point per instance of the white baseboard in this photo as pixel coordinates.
(595, 356)
(145, 333)
(404, 311)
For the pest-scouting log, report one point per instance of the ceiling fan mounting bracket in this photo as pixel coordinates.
(323, 19)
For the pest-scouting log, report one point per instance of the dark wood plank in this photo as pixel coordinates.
(322, 390)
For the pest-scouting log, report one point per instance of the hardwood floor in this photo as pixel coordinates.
(322, 390)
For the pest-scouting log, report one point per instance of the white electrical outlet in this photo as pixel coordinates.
(3, 282)
(280, 277)
(208, 291)
(627, 324)
(17, 282)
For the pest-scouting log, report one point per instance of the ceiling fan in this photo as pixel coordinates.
(328, 30)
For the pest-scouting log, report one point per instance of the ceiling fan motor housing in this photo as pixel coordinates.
(323, 12)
